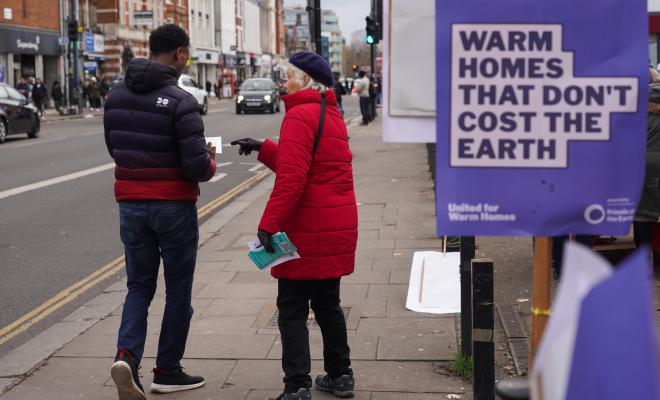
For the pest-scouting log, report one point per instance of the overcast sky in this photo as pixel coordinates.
(351, 13)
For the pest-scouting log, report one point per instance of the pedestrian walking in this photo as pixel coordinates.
(313, 202)
(208, 88)
(362, 85)
(39, 96)
(24, 88)
(56, 94)
(104, 88)
(155, 134)
(94, 94)
(340, 91)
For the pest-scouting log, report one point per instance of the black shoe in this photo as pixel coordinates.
(174, 380)
(341, 387)
(124, 373)
(301, 394)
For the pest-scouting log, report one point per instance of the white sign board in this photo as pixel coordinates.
(409, 71)
(8, 13)
(654, 6)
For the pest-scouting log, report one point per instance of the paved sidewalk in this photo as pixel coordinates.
(234, 341)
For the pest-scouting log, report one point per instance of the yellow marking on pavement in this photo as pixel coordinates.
(74, 291)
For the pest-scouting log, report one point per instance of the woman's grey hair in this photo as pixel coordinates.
(297, 73)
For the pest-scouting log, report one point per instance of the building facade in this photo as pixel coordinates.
(126, 25)
(29, 45)
(176, 12)
(204, 53)
(252, 32)
(330, 29)
(296, 30)
(268, 38)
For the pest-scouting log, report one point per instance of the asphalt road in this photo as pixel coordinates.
(55, 235)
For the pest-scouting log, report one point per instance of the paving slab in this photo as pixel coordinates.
(406, 327)
(229, 307)
(240, 291)
(406, 376)
(23, 359)
(367, 277)
(418, 347)
(214, 324)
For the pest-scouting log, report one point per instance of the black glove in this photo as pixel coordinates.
(264, 238)
(247, 145)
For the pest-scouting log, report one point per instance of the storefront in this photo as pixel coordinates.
(29, 53)
(228, 69)
(205, 62)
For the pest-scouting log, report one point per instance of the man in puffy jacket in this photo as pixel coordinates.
(313, 202)
(155, 134)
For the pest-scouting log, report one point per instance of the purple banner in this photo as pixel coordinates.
(541, 115)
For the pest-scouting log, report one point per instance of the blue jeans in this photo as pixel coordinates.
(151, 230)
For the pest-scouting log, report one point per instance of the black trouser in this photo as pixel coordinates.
(293, 300)
(643, 233)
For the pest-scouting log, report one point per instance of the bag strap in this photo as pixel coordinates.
(319, 131)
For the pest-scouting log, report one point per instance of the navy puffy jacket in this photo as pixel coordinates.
(155, 134)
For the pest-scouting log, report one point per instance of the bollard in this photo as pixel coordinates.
(467, 249)
(483, 348)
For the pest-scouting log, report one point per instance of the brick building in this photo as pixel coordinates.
(29, 45)
(126, 25)
(176, 12)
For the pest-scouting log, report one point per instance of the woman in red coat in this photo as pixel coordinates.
(313, 202)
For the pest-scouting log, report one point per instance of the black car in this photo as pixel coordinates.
(16, 115)
(258, 94)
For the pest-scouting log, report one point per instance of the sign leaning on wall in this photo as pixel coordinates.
(541, 120)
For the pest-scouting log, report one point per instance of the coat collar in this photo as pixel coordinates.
(308, 96)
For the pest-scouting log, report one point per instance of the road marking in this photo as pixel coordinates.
(224, 164)
(74, 291)
(217, 177)
(255, 168)
(54, 181)
(64, 297)
(32, 143)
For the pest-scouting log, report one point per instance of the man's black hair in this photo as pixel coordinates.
(167, 38)
(361, 74)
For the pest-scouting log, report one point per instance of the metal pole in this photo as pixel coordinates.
(317, 25)
(76, 56)
(467, 249)
(372, 98)
(483, 348)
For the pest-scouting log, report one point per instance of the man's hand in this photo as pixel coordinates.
(264, 238)
(247, 145)
(211, 150)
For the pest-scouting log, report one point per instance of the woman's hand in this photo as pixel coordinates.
(264, 238)
(247, 145)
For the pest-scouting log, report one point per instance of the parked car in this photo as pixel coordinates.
(258, 94)
(16, 115)
(187, 83)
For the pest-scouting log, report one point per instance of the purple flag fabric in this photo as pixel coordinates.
(616, 350)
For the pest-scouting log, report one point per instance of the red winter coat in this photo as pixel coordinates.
(312, 201)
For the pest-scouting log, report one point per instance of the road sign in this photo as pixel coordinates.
(63, 40)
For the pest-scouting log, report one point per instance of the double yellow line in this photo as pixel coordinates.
(74, 291)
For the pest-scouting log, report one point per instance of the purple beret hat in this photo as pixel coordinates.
(313, 65)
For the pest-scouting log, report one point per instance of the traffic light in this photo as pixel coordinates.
(73, 30)
(373, 30)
